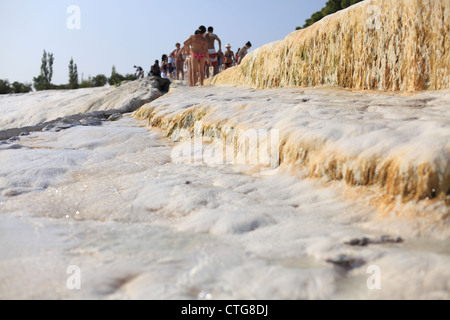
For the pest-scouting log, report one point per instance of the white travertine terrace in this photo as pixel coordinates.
(387, 45)
(398, 144)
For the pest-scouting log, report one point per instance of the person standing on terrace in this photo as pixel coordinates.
(198, 48)
(211, 38)
(179, 61)
(243, 52)
(229, 59)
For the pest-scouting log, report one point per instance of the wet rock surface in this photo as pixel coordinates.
(346, 262)
(363, 242)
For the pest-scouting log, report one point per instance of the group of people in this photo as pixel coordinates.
(198, 55)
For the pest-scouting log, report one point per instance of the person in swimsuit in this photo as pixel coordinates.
(179, 61)
(198, 48)
(243, 51)
(211, 38)
(188, 63)
(164, 67)
(171, 65)
(229, 58)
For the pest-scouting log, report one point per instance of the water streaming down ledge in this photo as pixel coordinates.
(396, 175)
(387, 45)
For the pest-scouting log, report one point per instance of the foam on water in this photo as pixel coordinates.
(396, 145)
(141, 226)
(143, 220)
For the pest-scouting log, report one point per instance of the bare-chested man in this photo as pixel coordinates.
(211, 38)
(197, 47)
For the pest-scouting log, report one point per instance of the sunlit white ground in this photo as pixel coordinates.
(139, 224)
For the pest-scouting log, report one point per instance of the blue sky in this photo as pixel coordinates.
(125, 33)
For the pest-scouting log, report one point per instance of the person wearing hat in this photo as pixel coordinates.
(229, 58)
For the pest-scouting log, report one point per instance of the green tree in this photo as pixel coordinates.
(50, 67)
(73, 75)
(331, 7)
(45, 70)
(60, 87)
(99, 80)
(130, 77)
(19, 87)
(86, 83)
(317, 16)
(5, 87)
(348, 3)
(116, 78)
(44, 80)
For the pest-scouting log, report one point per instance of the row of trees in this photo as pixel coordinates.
(116, 78)
(44, 80)
(15, 87)
(101, 80)
(331, 7)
